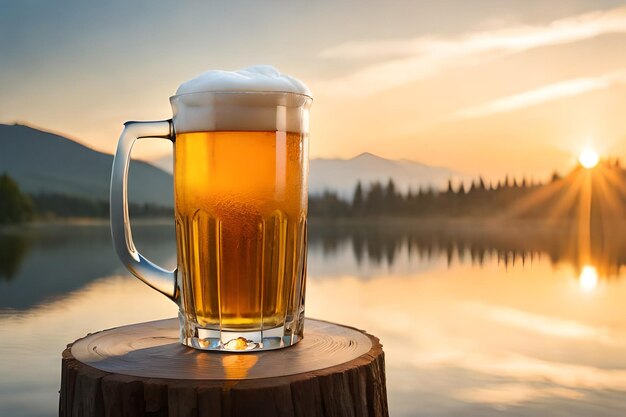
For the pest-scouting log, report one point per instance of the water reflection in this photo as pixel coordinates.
(42, 262)
(588, 278)
(470, 340)
(459, 242)
(13, 248)
(476, 319)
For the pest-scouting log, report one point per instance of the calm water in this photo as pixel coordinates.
(475, 319)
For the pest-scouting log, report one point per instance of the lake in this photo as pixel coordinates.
(513, 319)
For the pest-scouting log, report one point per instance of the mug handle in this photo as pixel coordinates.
(158, 278)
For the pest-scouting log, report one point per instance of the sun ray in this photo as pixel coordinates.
(567, 201)
(584, 220)
(535, 198)
(605, 195)
(606, 219)
(612, 176)
(588, 208)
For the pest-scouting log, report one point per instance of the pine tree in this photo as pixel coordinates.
(391, 196)
(375, 201)
(357, 199)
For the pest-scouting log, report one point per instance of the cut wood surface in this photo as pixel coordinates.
(143, 370)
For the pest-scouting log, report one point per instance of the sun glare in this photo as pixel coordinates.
(588, 279)
(588, 158)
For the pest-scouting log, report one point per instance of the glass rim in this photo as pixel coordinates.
(243, 92)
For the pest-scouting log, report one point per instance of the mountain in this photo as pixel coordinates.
(341, 175)
(44, 162)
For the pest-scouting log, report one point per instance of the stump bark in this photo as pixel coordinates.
(143, 370)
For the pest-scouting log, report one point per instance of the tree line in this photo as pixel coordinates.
(558, 196)
(18, 207)
(50, 206)
(480, 199)
(378, 199)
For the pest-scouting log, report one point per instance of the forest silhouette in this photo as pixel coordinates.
(509, 197)
(555, 199)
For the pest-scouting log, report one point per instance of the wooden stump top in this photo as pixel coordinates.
(143, 370)
(152, 350)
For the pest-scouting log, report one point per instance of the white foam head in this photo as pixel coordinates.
(258, 78)
(253, 98)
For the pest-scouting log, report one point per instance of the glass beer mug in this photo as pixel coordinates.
(240, 185)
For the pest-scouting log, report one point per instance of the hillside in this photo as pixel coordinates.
(43, 162)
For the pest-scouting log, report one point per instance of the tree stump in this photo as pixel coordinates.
(143, 370)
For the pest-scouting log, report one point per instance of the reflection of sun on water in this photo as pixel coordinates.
(588, 158)
(588, 279)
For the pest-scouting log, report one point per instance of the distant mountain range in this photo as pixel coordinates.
(44, 162)
(342, 175)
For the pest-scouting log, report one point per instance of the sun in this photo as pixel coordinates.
(588, 158)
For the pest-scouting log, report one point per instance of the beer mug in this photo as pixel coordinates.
(240, 144)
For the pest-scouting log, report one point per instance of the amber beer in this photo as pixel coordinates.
(241, 207)
(240, 185)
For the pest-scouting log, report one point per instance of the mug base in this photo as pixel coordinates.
(242, 341)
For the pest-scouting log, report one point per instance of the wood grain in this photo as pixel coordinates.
(152, 350)
(142, 370)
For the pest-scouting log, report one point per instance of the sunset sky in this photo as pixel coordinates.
(483, 87)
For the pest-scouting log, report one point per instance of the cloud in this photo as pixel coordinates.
(407, 60)
(541, 95)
